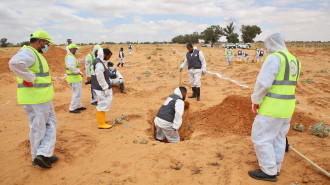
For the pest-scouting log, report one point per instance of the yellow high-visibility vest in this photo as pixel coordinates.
(92, 58)
(280, 100)
(71, 77)
(42, 90)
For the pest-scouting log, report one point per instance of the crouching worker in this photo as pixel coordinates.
(100, 79)
(169, 116)
(116, 77)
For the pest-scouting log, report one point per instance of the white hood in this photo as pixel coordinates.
(96, 47)
(67, 50)
(275, 42)
(178, 92)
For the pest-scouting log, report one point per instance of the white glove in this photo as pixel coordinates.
(204, 72)
(107, 91)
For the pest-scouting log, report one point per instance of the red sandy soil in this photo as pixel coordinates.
(216, 147)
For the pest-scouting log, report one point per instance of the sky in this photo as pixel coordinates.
(86, 21)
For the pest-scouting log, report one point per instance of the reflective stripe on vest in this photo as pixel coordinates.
(91, 58)
(42, 90)
(280, 101)
(71, 77)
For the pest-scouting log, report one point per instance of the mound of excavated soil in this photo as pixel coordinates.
(232, 116)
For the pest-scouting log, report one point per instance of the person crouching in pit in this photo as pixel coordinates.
(116, 77)
(169, 116)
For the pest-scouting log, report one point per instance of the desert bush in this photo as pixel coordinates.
(149, 57)
(319, 129)
(298, 127)
(159, 49)
(138, 77)
(308, 80)
(173, 75)
(147, 73)
(323, 71)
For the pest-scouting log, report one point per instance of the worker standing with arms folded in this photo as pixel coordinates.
(35, 93)
(229, 53)
(74, 78)
(121, 58)
(196, 67)
(88, 65)
(102, 86)
(273, 101)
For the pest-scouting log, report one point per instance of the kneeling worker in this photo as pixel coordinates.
(116, 77)
(169, 116)
(74, 78)
(102, 87)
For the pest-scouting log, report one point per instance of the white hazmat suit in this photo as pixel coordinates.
(229, 54)
(195, 74)
(164, 128)
(76, 87)
(42, 119)
(88, 65)
(104, 97)
(268, 133)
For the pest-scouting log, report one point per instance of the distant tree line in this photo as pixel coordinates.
(213, 33)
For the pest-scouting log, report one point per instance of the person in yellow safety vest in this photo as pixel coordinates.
(35, 94)
(88, 65)
(273, 102)
(74, 78)
(102, 86)
(229, 54)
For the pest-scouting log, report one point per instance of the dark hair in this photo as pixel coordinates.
(33, 40)
(189, 45)
(110, 64)
(183, 89)
(107, 51)
(121, 49)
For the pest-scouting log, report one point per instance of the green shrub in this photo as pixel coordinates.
(298, 127)
(319, 129)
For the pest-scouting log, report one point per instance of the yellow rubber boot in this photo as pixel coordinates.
(100, 116)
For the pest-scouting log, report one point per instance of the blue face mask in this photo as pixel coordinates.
(76, 52)
(45, 49)
(111, 68)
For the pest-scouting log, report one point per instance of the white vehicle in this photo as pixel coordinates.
(207, 45)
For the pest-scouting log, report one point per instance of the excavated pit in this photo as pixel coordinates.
(232, 116)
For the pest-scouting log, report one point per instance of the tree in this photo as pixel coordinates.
(187, 38)
(233, 38)
(69, 41)
(212, 34)
(249, 33)
(3, 42)
(229, 29)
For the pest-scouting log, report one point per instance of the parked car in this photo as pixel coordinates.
(232, 45)
(207, 45)
(224, 45)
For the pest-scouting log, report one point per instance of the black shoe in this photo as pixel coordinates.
(194, 93)
(94, 103)
(122, 88)
(118, 64)
(198, 93)
(76, 111)
(42, 161)
(122, 64)
(82, 108)
(260, 175)
(52, 160)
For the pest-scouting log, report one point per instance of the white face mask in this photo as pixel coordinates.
(76, 52)
(45, 49)
(111, 68)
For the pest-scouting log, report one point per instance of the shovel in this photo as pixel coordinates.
(304, 157)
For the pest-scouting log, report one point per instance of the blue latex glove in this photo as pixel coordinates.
(180, 69)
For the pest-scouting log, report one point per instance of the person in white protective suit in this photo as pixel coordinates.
(169, 116)
(130, 49)
(74, 78)
(246, 57)
(121, 58)
(196, 67)
(88, 65)
(116, 77)
(256, 55)
(229, 54)
(260, 55)
(35, 94)
(100, 79)
(273, 102)
(239, 55)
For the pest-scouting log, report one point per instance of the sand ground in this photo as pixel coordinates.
(216, 146)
